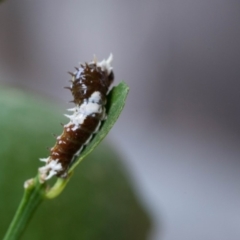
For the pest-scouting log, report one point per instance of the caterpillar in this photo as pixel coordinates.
(90, 84)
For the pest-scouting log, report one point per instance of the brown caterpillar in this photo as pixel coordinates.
(90, 85)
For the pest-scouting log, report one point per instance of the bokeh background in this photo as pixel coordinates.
(179, 134)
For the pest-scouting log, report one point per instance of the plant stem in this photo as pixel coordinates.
(33, 196)
(58, 187)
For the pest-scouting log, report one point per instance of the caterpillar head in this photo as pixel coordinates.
(91, 77)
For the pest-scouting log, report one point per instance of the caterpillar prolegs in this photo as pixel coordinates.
(90, 84)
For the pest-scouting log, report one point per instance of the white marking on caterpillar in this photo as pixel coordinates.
(87, 108)
(105, 65)
(49, 170)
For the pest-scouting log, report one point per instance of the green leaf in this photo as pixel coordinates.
(115, 103)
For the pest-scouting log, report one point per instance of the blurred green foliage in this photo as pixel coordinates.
(98, 203)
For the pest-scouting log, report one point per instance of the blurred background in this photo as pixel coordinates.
(179, 133)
